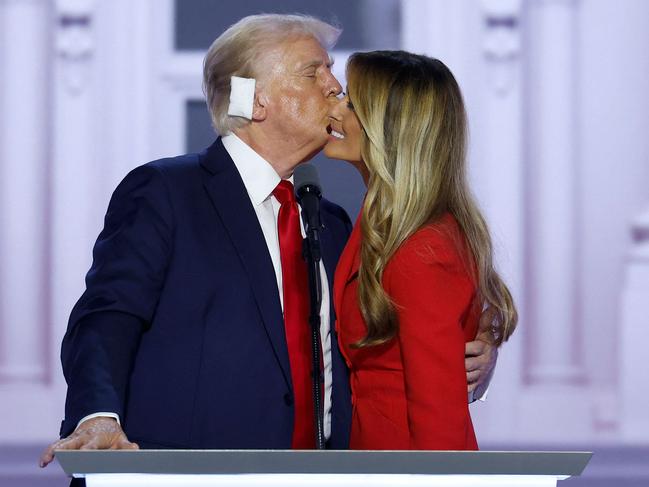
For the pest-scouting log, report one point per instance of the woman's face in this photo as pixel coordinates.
(344, 141)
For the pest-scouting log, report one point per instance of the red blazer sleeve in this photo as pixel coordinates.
(433, 291)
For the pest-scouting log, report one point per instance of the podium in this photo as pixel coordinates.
(310, 468)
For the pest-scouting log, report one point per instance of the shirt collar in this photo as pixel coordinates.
(259, 177)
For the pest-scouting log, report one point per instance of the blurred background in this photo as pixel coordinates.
(557, 93)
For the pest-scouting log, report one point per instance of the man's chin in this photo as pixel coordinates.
(316, 149)
(311, 155)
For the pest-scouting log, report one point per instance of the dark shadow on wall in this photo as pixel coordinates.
(367, 24)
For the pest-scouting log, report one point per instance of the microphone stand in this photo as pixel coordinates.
(312, 254)
(308, 193)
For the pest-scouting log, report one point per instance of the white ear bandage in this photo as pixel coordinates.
(242, 97)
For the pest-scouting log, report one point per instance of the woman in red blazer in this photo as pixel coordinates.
(417, 270)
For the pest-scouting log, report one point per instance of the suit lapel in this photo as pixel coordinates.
(232, 203)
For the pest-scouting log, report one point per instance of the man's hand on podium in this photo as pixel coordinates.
(481, 355)
(99, 433)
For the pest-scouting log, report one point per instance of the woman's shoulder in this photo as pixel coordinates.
(438, 242)
(436, 249)
(435, 253)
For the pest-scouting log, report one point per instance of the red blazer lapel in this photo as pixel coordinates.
(347, 265)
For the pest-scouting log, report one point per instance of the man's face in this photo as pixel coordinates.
(300, 91)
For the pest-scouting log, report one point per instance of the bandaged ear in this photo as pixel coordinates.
(242, 97)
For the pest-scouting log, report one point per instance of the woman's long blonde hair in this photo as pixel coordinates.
(414, 146)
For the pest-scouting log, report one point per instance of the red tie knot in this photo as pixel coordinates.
(284, 192)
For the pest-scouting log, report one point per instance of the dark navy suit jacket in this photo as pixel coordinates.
(180, 329)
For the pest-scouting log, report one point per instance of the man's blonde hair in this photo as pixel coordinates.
(239, 51)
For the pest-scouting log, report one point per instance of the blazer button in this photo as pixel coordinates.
(288, 399)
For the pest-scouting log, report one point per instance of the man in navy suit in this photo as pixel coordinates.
(178, 340)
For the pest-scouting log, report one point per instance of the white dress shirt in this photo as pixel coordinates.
(260, 179)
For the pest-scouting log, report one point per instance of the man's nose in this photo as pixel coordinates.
(333, 87)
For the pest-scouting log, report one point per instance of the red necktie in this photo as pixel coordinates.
(296, 314)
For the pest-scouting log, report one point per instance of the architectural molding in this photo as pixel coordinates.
(640, 235)
(75, 45)
(502, 41)
(554, 340)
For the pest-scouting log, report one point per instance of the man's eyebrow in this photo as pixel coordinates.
(316, 63)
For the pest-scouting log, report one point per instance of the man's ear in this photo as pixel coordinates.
(259, 106)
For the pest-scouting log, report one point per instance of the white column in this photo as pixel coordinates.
(24, 190)
(553, 351)
(497, 170)
(76, 172)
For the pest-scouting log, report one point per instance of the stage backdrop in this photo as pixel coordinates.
(556, 92)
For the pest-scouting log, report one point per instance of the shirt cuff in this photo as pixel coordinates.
(482, 398)
(99, 415)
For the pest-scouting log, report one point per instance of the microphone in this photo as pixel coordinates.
(308, 194)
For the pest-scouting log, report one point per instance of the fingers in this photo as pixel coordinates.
(70, 443)
(124, 444)
(477, 382)
(47, 456)
(475, 348)
(94, 443)
(129, 445)
(94, 434)
(474, 363)
(102, 443)
(482, 353)
(479, 361)
(472, 377)
(472, 380)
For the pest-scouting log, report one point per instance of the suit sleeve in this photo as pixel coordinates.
(432, 290)
(123, 286)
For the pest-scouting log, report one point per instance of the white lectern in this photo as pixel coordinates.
(329, 468)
